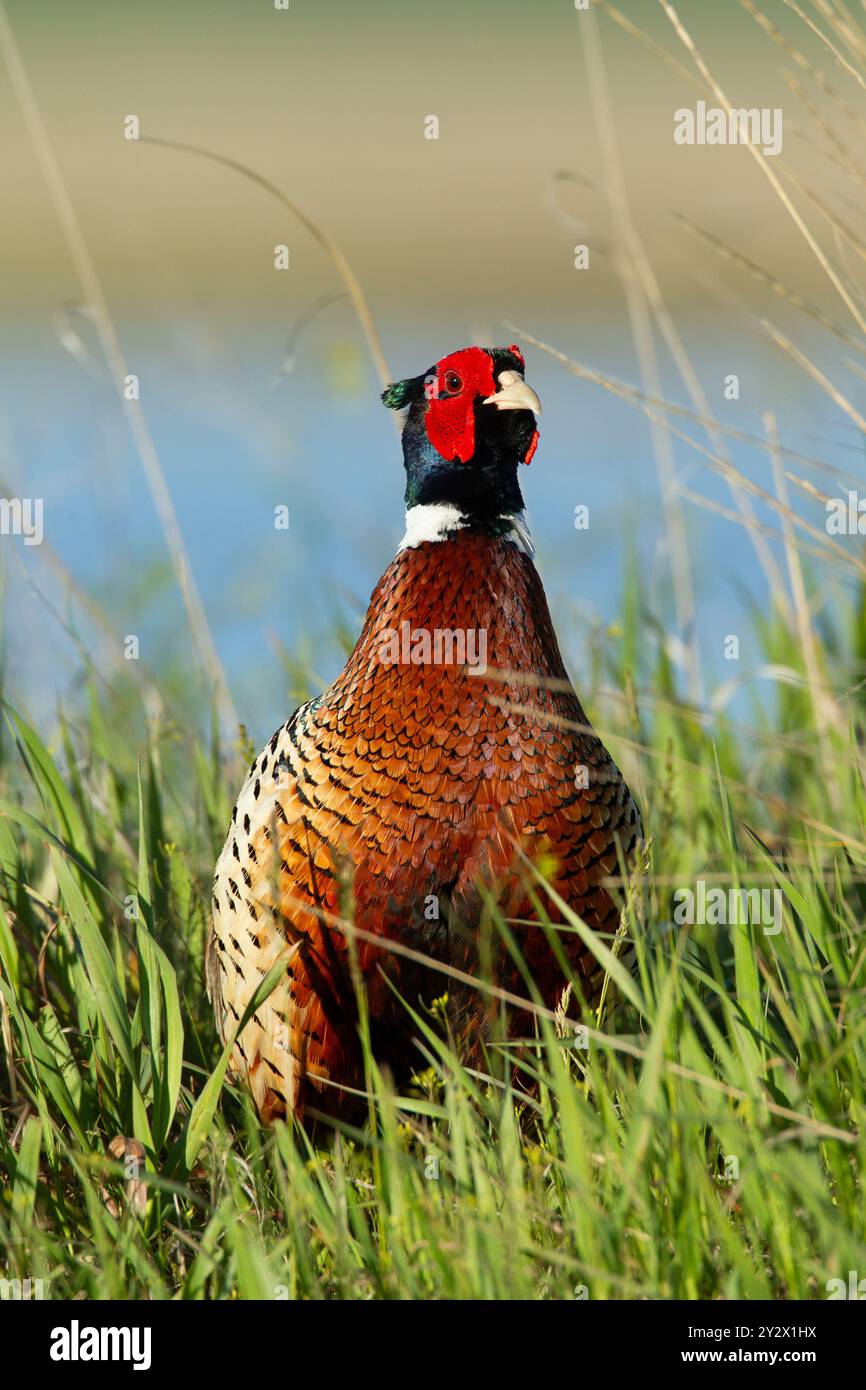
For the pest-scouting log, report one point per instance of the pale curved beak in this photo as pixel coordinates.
(514, 395)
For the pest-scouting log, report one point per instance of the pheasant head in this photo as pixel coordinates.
(470, 423)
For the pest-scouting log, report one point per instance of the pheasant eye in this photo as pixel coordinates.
(453, 382)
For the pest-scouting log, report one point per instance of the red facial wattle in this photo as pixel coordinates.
(450, 418)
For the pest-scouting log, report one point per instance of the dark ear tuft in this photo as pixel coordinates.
(403, 393)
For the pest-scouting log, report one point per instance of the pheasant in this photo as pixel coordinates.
(450, 752)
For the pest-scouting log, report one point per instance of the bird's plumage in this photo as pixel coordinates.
(412, 787)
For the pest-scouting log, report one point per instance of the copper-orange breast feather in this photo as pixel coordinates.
(451, 749)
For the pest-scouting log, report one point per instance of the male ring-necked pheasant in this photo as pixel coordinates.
(450, 749)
